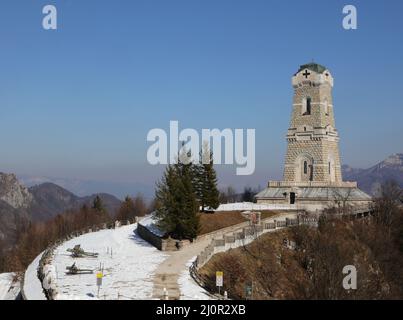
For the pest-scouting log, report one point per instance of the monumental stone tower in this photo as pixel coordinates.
(312, 172)
(313, 152)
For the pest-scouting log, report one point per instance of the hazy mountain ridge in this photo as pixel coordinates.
(370, 180)
(39, 203)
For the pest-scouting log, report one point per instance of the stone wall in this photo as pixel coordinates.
(245, 235)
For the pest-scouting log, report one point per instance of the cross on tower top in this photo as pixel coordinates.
(306, 74)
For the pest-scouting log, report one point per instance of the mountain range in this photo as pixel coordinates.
(39, 203)
(45, 200)
(370, 180)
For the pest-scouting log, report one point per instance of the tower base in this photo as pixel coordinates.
(313, 196)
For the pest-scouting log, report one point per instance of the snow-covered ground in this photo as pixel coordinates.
(9, 289)
(32, 285)
(250, 206)
(151, 224)
(190, 290)
(127, 260)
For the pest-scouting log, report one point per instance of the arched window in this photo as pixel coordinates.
(305, 167)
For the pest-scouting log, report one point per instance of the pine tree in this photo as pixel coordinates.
(101, 214)
(206, 181)
(176, 202)
(97, 204)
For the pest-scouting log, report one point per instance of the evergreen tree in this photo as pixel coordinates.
(176, 202)
(97, 204)
(101, 214)
(206, 180)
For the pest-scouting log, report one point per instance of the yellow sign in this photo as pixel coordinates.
(219, 275)
(100, 275)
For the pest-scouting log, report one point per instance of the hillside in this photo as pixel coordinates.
(307, 263)
(51, 199)
(369, 180)
(38, 203)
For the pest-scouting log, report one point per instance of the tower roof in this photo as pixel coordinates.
(313, 67)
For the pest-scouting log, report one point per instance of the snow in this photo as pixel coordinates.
(150, 223)
(190, 290)
(249, 206)
(32, 285)
(9, 289)
(128, 263)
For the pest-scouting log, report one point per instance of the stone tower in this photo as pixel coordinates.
(313, 152)
(312, 172)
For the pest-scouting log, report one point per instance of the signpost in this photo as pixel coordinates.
(219, 278)
(249, 291)
(99, 280)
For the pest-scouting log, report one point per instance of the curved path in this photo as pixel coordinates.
(168, 272)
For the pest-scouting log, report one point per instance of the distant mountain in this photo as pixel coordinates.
(370, 180)
(51, 200)
(82, 187)
(39, 203)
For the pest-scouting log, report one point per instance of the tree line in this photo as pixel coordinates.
(313, 268)
(34, 237)
(186, 188)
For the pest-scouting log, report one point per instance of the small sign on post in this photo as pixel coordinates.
(219, 279)
(99, 280)
(249, 291)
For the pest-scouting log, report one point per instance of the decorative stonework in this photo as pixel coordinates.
(312, 161)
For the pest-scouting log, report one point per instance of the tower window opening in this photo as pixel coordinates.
(292, 197)
(329, 168)
(305, 167)
(307, 107)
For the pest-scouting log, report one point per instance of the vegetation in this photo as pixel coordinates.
(219, 220)
(176, 202)
(184, 189)
(33, 238)
(130, 209)
(205, 181)
(313, 268)
(228, 195)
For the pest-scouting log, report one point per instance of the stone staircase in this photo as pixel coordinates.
(168, 282)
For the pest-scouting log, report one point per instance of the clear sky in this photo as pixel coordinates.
(78, 102)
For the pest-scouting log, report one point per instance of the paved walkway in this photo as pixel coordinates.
(168, 272)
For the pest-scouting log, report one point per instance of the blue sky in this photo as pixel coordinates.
(78, 102)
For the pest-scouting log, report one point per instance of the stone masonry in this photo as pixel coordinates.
(312, 171)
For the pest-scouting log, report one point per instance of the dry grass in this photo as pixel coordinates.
(219, 220)
(267, 214)
(223, 219)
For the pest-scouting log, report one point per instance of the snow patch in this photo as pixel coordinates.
(32, 285)
(244, 206)
(128, 264)
(150, 223)
(9, 289)
(190, 290)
